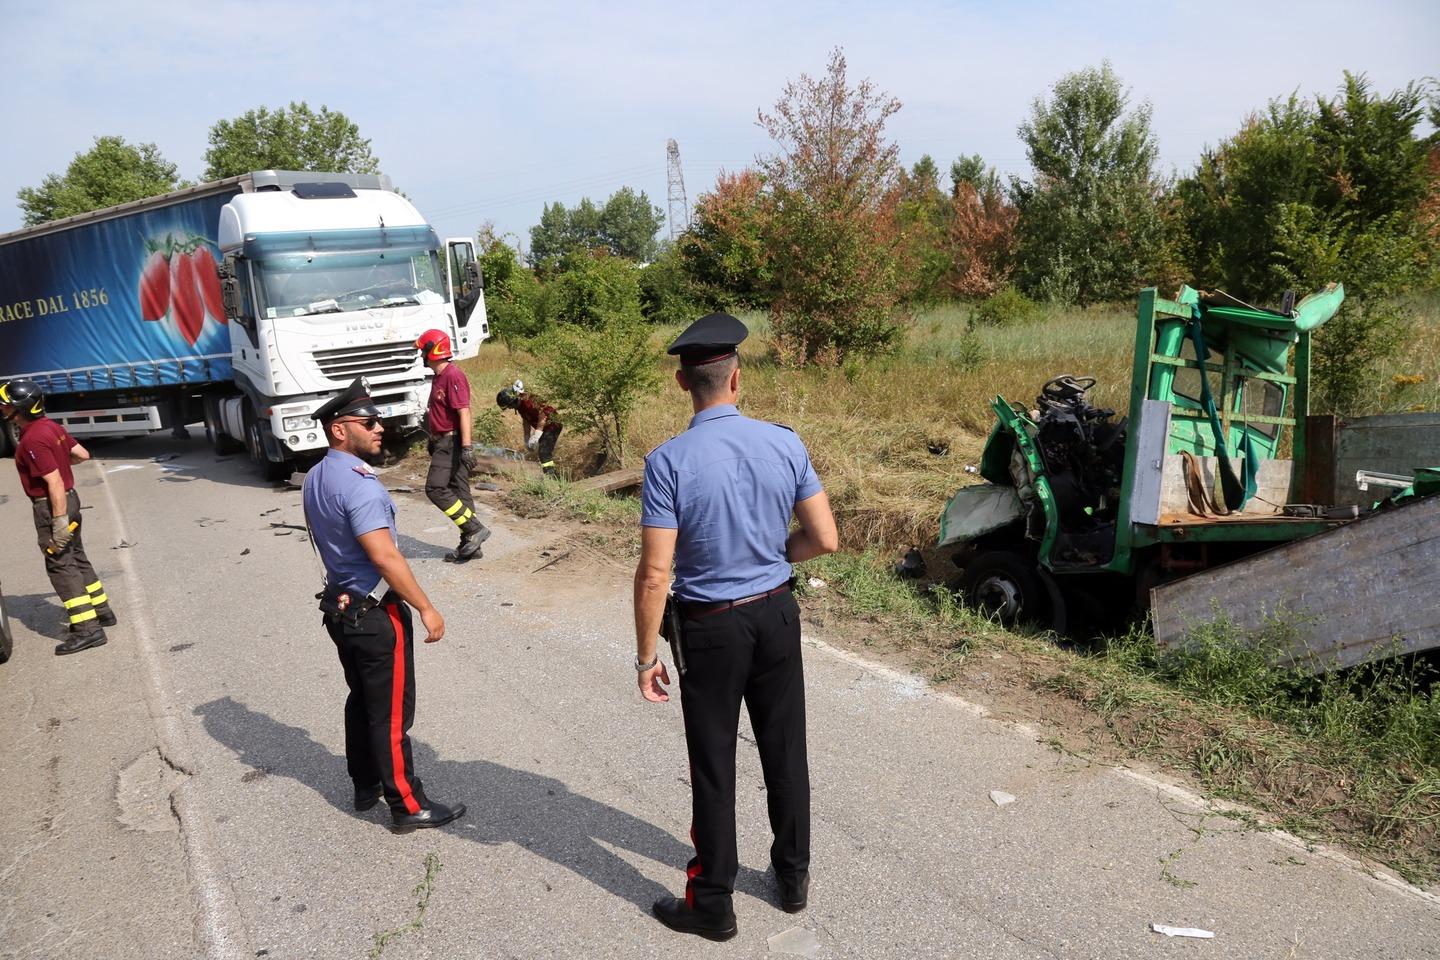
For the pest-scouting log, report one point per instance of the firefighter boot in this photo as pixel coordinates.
(81, 640)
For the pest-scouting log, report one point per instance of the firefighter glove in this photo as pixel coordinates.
(61, 533)
(467, 457)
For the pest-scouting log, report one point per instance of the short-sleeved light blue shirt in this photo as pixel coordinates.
(343, 500)
(728, 485)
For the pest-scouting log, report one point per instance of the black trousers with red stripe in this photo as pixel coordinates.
(749, 653)
(377, 654)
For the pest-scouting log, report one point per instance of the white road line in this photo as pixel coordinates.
(222, 930)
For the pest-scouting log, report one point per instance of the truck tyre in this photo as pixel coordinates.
(1010, 588)
(221, 442)
(255, 444)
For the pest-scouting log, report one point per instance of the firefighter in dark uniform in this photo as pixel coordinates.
(447, 419)
(43, 458)
(718, 501)
(541, 421)
(366, 602)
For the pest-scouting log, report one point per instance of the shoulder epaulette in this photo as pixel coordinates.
(781, 426)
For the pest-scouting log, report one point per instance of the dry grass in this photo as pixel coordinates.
(869, 427)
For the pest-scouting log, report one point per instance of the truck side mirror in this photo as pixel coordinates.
(473, 275)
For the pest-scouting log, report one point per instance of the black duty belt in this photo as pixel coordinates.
(693, 610)
(345, 605)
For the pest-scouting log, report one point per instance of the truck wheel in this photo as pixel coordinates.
(1009, 587)
(255, 444)
(221, 442)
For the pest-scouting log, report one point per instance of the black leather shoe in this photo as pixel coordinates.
(795, 894)
(80, 641)
(435, 815)
(672, 912)
(106, 617)
(367, 797)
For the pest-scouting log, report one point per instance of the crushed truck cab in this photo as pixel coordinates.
(1086, 509)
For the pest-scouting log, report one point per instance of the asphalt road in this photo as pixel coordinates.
(181, 791)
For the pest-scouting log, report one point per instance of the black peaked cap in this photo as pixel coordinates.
(713, 337)
(354, 402)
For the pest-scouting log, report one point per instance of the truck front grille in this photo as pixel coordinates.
(344, 364)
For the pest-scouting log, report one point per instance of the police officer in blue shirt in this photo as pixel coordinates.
(369, 590)
(717, 501)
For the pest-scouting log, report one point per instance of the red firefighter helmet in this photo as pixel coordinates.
(435, 345)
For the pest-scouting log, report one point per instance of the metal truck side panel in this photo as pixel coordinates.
(1370, 588)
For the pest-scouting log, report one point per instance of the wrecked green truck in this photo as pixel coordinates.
(1087, 516)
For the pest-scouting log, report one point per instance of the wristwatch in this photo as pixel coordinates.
(642, 667)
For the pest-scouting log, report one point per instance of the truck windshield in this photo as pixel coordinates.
(363, 269)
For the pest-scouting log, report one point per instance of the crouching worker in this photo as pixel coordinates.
(542, 424)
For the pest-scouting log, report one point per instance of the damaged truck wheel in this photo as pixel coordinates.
(1010, 587)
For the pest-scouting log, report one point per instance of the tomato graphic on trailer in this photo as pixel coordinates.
(179, 286)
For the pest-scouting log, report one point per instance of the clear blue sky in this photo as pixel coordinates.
(485, 111)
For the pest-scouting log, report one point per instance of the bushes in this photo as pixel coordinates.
(1006, 308)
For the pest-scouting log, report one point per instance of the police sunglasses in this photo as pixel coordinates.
(369, 423)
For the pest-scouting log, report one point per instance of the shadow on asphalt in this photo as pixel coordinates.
(40, 613)
(506, 805)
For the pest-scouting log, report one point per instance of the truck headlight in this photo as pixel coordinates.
(299, 423)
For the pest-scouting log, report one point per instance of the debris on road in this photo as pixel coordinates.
(166, 458)
(245, 552)
(286, 526)
(402, 489)
(797, 942)
(270, 511)
(1194, 932)
(209, 521)
(123, 545)
(553, 560)
(1002, 799)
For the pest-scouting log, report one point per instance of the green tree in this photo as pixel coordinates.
(290, 138)
(591, 290)
(922, 212)
(512, 293)
(597, 376)
(974, 171)
(667, 294)
(1090, 226)
(833, 239)
(109, 173)
(1311, 192)
(625, 227)
(628, 224)
(597, 371)
(724, 253)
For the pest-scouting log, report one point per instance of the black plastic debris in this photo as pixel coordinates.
(911, 566)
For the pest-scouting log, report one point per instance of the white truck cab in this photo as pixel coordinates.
(327, 277)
